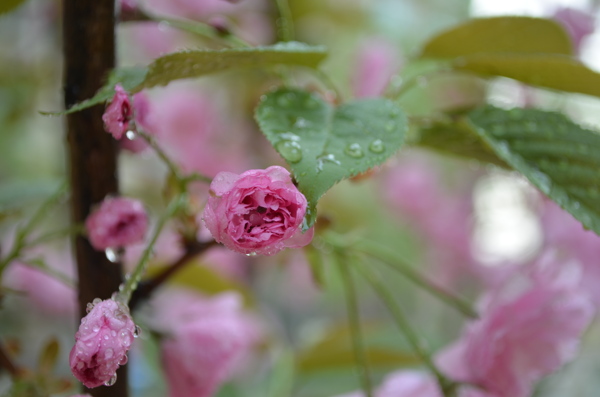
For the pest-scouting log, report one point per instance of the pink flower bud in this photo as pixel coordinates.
(101, 344)
(259, 211)
(117, 115)
(117, 222)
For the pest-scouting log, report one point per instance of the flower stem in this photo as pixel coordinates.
(7, 364)
(134, 278)
(285, 23)
(401, 321)
(390, 258)
(354, 323)
(24, 231)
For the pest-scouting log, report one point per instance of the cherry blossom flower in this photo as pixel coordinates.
(118, 114)
(101, 344)
(117, 222)
(528, 329)
(259, 211)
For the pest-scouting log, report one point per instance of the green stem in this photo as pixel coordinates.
(41, 265)
(390, 258)
(285, 24)
(60, 233)
(24, 231)
(402, 322)
(134, 278)
(354, 323)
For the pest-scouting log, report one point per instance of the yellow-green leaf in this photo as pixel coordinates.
(500, 34)
(557, 72)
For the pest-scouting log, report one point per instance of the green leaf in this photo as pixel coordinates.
(48, 357)
(500, 34)
(9, 5)
(555, 154)
(197, 63)
(557, 72)
(282, 376)
(129, 78)
(319, 360)
(323, 144)
(458, 138)
(204, 280)
(316, 263)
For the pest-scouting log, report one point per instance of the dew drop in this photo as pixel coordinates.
(125, 338)
(289, 150)
(108, 353)
(377, 146)
(326, 158)
(89, 307)
(96, 328)
(290, 136)
(123, 360)
(285, 100)
(131, 135)
(389, 126)
(251, 254)
(114, 254)
(111, 381)
(354, 150)
(301, 122)
(137, 332)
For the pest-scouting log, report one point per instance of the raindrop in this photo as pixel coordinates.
(377, 146)
(96, 301)
(108, 353)
(354, 150)
(114, 254)
(576, 205)
(285, 100)
(251, 254)
(123, 360)
(389, 126)
(301, 122)
(290, 136)
(111, 381)
(131, 135)
(89, 307)
(125, 338)
(326, 158)
(137, 332)
(96, 328)
(289, 150)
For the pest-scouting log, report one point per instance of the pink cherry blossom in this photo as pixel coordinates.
(117, 222)
(405, 384)
(205, 339)
(259, 211)
(101, 344)
(145, 120)
(528, 329)
(117, 115)
(377, 61)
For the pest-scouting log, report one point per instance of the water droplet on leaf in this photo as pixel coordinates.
(389, 126)
(377, 146)
(289, 150)
(354, 150)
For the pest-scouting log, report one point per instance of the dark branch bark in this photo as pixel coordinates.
(89, 49)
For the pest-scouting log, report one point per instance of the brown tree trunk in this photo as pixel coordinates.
(89, 49)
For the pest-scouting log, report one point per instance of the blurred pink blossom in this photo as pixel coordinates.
(259, 211)
(144, 120)
(578, 23)
(45, 291)
(405, 384)
(528, 329)
(205, 339)
(377, 61)
(564, 233)
(118, 113)
(101, 344)
(117, 222)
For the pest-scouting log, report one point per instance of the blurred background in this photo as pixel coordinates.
(461, 223)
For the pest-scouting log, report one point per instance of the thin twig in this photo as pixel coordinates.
(7, 364)
(355, 329)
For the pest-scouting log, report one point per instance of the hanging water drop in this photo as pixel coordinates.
(377, 146)
(251, 254)
(123, 360)
(137, 332)
(111, 381)
(354, 150)
(114, 254)
(289, 150)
